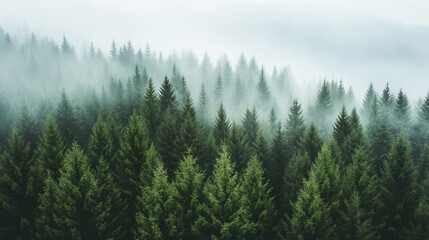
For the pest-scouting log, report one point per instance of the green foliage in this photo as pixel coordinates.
(100, 144)
(294, 129)
(323, 108)
(222, 126)
(66, 120)
(17, 197)
(167, 98)
(263, 89)
(237, 148)
(251, 128)
(150, 110)
(167, 137)
(398, 191)
(312, 142)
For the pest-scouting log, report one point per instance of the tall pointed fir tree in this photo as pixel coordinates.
(355, 139)
(323, 109)
(272, 123)
(66, 120)
(238, 93)
(27, 127)
(360, 199)
(222, 126)
(100, 145)
(132, 155)
(50, 152)
(370, 97)
(68, 209)
(256, 199)
(312, 142)
(237, 148)
(380, 144)
(294, 128)
(251, 128)
(155, 208)
(189, 138)
(220, 217)
(263, 89)
(278, 162)
(137, 84)
(398, 192)
(341, 133)
(150, 110)
(189, 183)
(218, 93)
(167, 139)
(203, 110)
(386, 102)
(17, 199)
(167, 98)
(402, 112)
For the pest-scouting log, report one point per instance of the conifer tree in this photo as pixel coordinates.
(370, 97)
(210, 154)
(167, 98)
(155, 208)
(50, 152)
(251, 128)
(189, 183)
(113, 50)
(355, 139)
(402, 111)
(324, 107)
(380, 144)
(220, 217)
(100, 144)
(256, 199)
(203, 110)
(294, 128)
(341, 127)
(218, 94)
(132, 155)
(17, 199)
(190, 133)
(398, 192)
(263, 90)
(262, 152)
(27, 128)
(167, 138)
(361, 199)
(68, 208)
(237, 148)
(386, 101)
(312, 143)
(66, 120)
(150, 110)
(221, 127)
(114, 128)
(272, 122)
(238, 93)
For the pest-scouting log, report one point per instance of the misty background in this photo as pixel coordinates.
(356, 41)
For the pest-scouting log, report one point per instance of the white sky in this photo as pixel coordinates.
(357, 41)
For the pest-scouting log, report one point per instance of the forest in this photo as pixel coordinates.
(131, 144)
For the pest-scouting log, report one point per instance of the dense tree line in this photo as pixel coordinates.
(141, 162)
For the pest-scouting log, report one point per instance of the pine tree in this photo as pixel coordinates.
(17, 199)
(66, 120)
(220, 217)
(355, 139)
(222, 126)
(251, 128)
(68, 208)
(132, 156)
(263, 90)
(210, 154)
(50, 152)
(155, 208)
(262, 152)
(256, 199)
(189, 183)
(341, 127)
(167, 98)
(387, 101)
(323, 108)
(272, 122)
(238, 93)
(203, 110)
(100, 144)
(150, 110)
(137, 84)
(113, 50)
(237, 148)
(312, 143)
(294, 128)
(278, 162)
(370, 97)
(361, 199)
(27, 127)
(398, 192)
(402, 111)
(380, 144)
(167, 137)
(218, 94)
(190, 133)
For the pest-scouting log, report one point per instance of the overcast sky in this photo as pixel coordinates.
(357, 41)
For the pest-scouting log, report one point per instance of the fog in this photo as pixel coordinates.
(357, 41)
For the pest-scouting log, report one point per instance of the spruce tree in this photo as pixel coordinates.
(220, 217)
(203, 110)
(237, 148)
(402, 112)
(167, 142)
(398, 192)
(17, 199)
(167, 98)
(341, 127)
(251, 128)
(263, 90)
(50, 151)
(256, 199)
(27, 127)
(189, 183)
(68, 208)
(294, 128)
(380, 144)
(132, 155)
(100, 144)
(66, 120)
(190, 133)
(218, 94)
(386, 101)
(222, 126)
(150, 110)
(155, 209)
(312, 142)
(323, 108)
(370, 97)
(278, 162)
